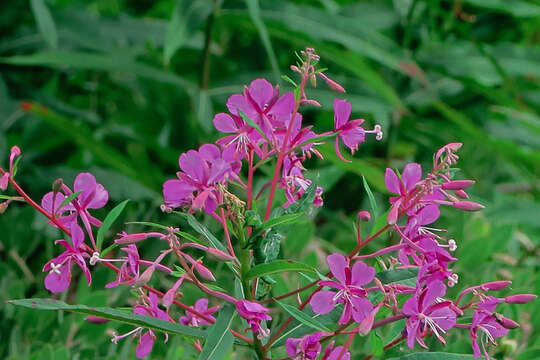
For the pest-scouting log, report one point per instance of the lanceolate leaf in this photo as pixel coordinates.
(278, 266)
(112, 314)
(220, 340)
(434, 356)
(254, 125)
(303, 317)
(68, 199)
(281, 220)
(397, 275)
(109, 220)
(203, 230)
(45, 22)
(371, 198)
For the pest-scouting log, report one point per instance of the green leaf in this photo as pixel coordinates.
(220, 340)
(69, 199)
(517, 8)
(203, 230)
(376, 343)
(305, 202)
(253, 125)
(112, 314)
(12, 198)
(276, 267)
(109, 220)
(434, 356)
(267, 247)
(397, 275)
(45, 22)
(281, 220)
(303, 317)
(187, 17)
(372, 201)
(316, 139)
(255, 13)
(108, 249)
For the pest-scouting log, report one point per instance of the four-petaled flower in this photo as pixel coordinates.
(350, 291)
(59, 268)
(93, 196)
(129, 271)
(201, 306)
(427, 311)
(307, 347)
(197, 183)
(254, 313)
(485, 324)
(350, 132)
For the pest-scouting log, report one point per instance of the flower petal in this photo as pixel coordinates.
(225, 123)
(146, 343)
(322, 302)
(342, 112)
(435, 290)
(362, 274)
(392, 182)
(175, 192)
(361, 308)
(412, 173)
(261, 92)
(351, 138)
(57, 283)
(337, 264)
(191, 163)
(100, 198)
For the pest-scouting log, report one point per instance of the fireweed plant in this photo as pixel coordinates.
(265, 126)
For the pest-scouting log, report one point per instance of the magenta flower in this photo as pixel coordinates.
(201, 306)
(93, 196)
(129, 271)
(350, 132)
(243, 138)
(294, 182)
(197, 183)
(427, 311)
(254, 313)
(146, 340)
(350, 291)
(307, 347)
(485, 324)
(262, 104)
(59, 268)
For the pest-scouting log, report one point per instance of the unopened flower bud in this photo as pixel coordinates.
(130, 238)
(506, 322)
(310, 102)
(456, 309)
(3, 206)
(15, 151)
(4, 180)
(495, 285)
(457, 184)
(295, 69)
(520, 298)
(467, 205)
(220, 255)
(57, 185)
(392, 215)
(145, 276)
(461, 193)
(364, 216)
(96, 319)
(332, 84)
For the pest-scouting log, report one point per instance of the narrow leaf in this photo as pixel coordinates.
(303, 318)
(434, 356)
(220, 340)
(45, 22)
(112, 314)
(69, 199)
(253, 125)
(397, 275)
(282, 220)
(278, 266)
(109, 220)
(371, 198)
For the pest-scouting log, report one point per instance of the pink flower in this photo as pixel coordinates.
(146, 339)
(201, 306)
(294, 182)
(307, 347)
(197, 183)
(426, 310)
(59, 268)
(93, 196)
(254, 313)
(350, 132)
(485, 324)
(243, 138)
(350, 290)
(129, 271)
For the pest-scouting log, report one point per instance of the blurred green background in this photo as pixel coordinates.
(128, 85)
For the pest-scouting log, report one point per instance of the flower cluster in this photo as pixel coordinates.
(264, 126)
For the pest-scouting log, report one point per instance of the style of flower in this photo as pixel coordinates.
(93, 196)
(59, 268)
(427, 311)
(129, 271)
(197, 183)
(307, 347)
(254, 313)
(485, 325)
(201, 306)
(350, 291)
(146, 339)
